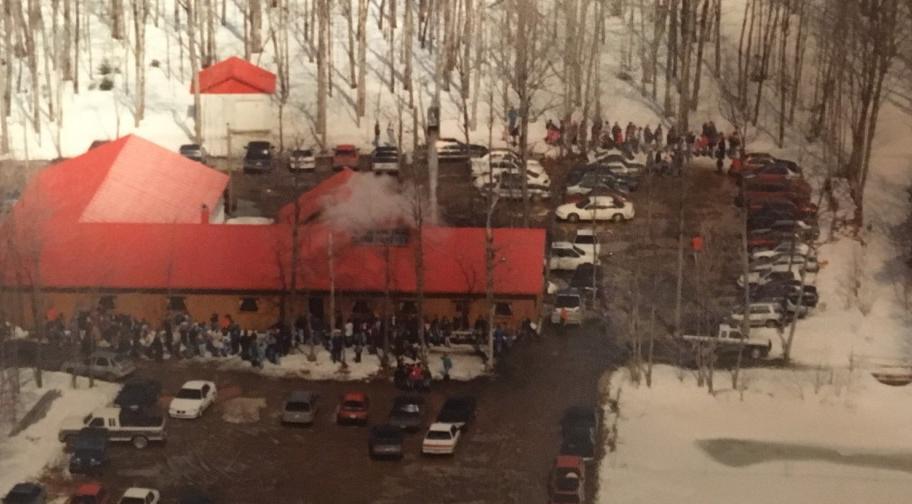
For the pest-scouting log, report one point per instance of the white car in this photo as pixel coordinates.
(601, 155)
(137, 495)
(568, 308)
(302, 160)
(760, 314)
(587, 239)
(482, 173)
(510, 186)
(760, 278)
(596, 208)
(567, 256)
(441, 439)
(193, 399)
(784, 248)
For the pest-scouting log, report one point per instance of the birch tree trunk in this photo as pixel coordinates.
(195, 69)
(255, 13)
(362, 59)
(684, 77)
(322, 14)
(694, 100)
(66, 55)
(407, 42)
(140, 16)
(117, 19)
(347, 11)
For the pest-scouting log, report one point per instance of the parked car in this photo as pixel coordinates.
(594, 208)
(26, 493)
(139, 394)
(259, 157)
(785, 263)
(802, 209)
(579, 430)
(353, 408)
(774, 171)
(118, 425)
(89, 452)
(300, 407)
(385, 441)
(617, 155)
(450, 149)
(136, 495)
(567, 482)
(602, 179)
(748, 161)
(807, 232)
(407, 413)
(510, 186)
(760, 278)
(729, 341)
(784, 248)
(760, 314)
(795, 191)
(588, 240)
(345, 156)
(102, 364)
(779, 291)
(302, 160)
(90, 493)
(385, 159)
(458, 411)
(194, 152)
(441, 439)
(483, 172)
(192, 399)
(587, 278)
(567, 256)
(568, 308)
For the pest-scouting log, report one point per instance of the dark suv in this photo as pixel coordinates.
(260, 157)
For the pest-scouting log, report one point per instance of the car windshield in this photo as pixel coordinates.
(302, 153)
(353, 405)
(187, 393)
(582, 203)
(438, 434)
(585, 239)
(258, 150)
(567, 302)
(297, 406)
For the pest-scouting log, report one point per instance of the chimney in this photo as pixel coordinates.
(204, 214)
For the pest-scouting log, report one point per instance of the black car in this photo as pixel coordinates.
(407, 413)
(26, 493)
(385, 441)
(139, 394)
(459, 411)
(577, 174)
(790, 290)
(90, 452)
(578, 440)
(578, 417)
(587, 277)
(260, 157)
(194, 152)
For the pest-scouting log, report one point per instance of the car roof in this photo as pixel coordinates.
(440, 426)
(354, 396)
(137, 492)
(195, 384)
(302, 395)
(27, 488)
(585, 232)
(88, 489)
(568, 462)
(561, 245)
(345, 147)
(259, 143)
(568, 292)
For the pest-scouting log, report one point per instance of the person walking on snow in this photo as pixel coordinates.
(617, 135)
(377, 133)
(447, 366)
(391, 134)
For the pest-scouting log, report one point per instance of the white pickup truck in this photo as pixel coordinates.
(138, 428)
(729, 338)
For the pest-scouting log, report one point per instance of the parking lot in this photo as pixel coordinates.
(508, 451)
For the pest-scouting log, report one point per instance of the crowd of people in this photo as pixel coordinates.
(664, 149)
(180, 337)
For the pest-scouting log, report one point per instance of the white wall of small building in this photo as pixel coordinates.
(248, 116)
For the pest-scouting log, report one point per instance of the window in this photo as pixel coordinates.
(106, 302)
(249, 304)
(97, 422)
(503, 309)
(177, 303)
(101, 362)
(361, 307)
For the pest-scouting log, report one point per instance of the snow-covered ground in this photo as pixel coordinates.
(792, 437)
(296, 365)
(26, 455)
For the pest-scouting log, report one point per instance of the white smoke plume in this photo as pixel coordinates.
(371, 202)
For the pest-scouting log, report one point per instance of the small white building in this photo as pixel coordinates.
(237, 106)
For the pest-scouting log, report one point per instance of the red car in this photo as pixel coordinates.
(345, 156)
(776, 171)
(749, 162)
(353, 408)
(90, 493)
(568, 480)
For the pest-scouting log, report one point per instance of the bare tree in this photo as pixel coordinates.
(322, 70)
(278, 27)
(362, 59)
(117, 19)
(140, 18)
(255, 14)
(191, 13)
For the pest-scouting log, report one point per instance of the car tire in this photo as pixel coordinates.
(755, 354)
(140, 442)
(772, 324)
(616, 218)
(573, 218)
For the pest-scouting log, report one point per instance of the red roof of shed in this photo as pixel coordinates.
(235, 76)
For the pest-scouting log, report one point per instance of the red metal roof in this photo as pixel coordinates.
(312, 202)
(235, 76)
(127, 180)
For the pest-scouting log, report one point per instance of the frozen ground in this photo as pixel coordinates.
(792, 437)
(26, 455)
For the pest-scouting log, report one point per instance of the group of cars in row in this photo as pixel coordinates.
(96, 493)
(782, 227)
(579, 437)
(407, 414)
(261, 156)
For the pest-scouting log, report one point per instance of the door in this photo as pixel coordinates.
(315, 305)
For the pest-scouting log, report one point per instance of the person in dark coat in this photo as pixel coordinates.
(720, 153)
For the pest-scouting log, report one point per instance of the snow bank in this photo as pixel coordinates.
(296, 365)
(794, 437)
(25, 456)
